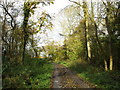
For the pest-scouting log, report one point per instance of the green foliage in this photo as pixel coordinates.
(35, 73)
(74, 49)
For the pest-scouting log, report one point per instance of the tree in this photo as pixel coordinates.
(28, 10)
(92, 18)
(9, 29)
(86, 16)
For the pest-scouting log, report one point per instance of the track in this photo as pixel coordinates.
(65, 78)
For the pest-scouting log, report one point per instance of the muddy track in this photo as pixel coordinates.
(65, 78)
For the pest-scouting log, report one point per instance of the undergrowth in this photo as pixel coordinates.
(109, 80)
(34, 73)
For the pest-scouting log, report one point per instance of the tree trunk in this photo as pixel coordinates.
(24, 46)
(106, 65)
(101, 48)
(86, 44)
(98, 41)
(85, 9)
(110, 41)
(25, 22)
(107, 7)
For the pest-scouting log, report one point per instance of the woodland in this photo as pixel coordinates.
(90, 47)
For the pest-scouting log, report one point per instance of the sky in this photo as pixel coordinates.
(57, 6)
(54, 10)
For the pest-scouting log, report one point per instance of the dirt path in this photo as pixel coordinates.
(65, 78)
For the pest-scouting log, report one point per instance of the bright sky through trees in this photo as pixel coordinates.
(54, 10)
(57, 6)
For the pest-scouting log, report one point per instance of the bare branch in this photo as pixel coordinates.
(12, 19)
(76, 3)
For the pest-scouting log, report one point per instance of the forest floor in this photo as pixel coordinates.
(65, 78)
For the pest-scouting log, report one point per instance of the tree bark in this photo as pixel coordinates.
(85, 9)
(109, 36)
(25, 22)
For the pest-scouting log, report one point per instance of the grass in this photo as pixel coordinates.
(109, 80)
(35, 73)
